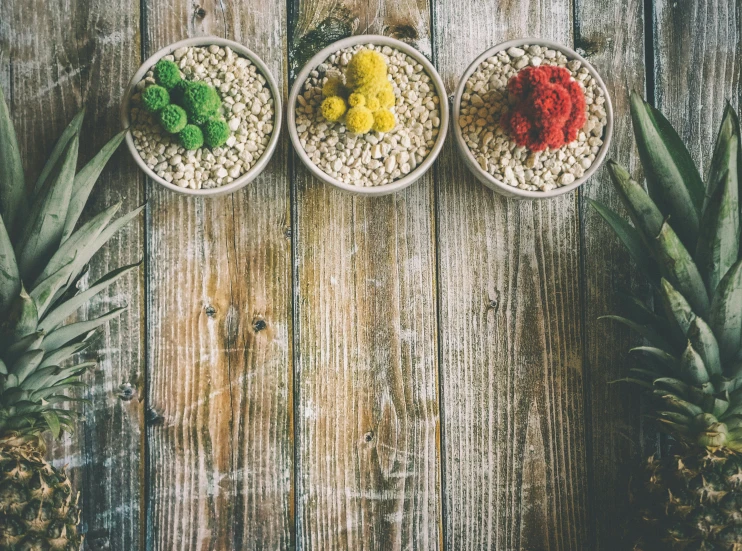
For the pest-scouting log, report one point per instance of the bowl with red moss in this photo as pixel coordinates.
(532, 119)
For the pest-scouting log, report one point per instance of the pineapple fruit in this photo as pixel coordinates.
(43, 257)
(686, 239)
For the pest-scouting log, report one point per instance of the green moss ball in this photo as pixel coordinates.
(191, 137)
(201, 100)
(173, 118)
(167, 74)
(216, 132)
(155, 98)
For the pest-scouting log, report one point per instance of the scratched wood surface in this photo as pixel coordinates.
(220, 453)
(303, 369)
(365, 323)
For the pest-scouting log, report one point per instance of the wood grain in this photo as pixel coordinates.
(367, 398)
(61, 57)
(511, 332)
(697, 53)
(219, 331)
(611, 36)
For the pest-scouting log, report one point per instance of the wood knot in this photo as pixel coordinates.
(369, 436)
(258, 325)
(287, 233)
(407, 33)
(126, 392)
(153, 418)
(493, 303)
(210, 311)
(200, 12)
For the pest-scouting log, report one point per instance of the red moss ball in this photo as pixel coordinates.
(550, 108)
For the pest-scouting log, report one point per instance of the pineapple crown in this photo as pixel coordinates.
(43, 257)
(686, 239)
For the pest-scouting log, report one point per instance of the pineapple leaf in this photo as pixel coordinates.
(672, 178)
(43, 233)
(26, 364)
(681, 405)
(54, 318)
(45, 291)
(680, 270)
(10, 279)
(20, 320)
(667, 360)
(52, 420)
(644, 330)
(631, 239)
(61, 354)
(718, 239)
(22, 345)
(86, 253)
(725, 315)
(676, 307)
(692, 367)
(3, 368)
(78, 242)
(12, 182)
(644, 213)
(52, 163)
(703, 341)
(85, 180)
(675, 417)
(63, 335)
(725, 154)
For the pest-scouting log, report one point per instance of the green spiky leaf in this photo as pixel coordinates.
(704, 342)
(725, 314)
(12, 182)
(67, 308)
(679, 269)
(43, 233)
(53, 162)
(85, 180)
(692, 366)
(672, 178)
(10, 279)
(631, 239)
(64, 335)
(718, 239)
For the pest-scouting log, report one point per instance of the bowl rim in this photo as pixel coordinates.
(376, 40)
(261, 163)
(485, 177)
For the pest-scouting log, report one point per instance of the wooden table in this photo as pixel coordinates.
(299, 368)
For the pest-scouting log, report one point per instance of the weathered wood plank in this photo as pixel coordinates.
(62, 57)
(611, 36)
(219, 319)
(514, 460)
(698, 58)
(365, 315)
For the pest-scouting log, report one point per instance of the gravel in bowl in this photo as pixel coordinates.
(374, 159)
(485, 99)
(249, 114)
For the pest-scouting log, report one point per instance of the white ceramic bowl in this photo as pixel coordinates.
(376, 40)
(485, 177)
(262, 162)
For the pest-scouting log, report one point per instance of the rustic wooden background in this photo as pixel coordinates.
(299, 368)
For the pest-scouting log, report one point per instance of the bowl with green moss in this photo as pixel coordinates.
(204, 116)
(368, 115)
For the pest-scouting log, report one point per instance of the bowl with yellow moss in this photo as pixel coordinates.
(368, 115)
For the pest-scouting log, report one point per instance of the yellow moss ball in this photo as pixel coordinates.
(355, 100)
(373, 104)
(365, 67)
(386, 96)
(333, 108)
(384, 120)
(359, 120)
(333, 86)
